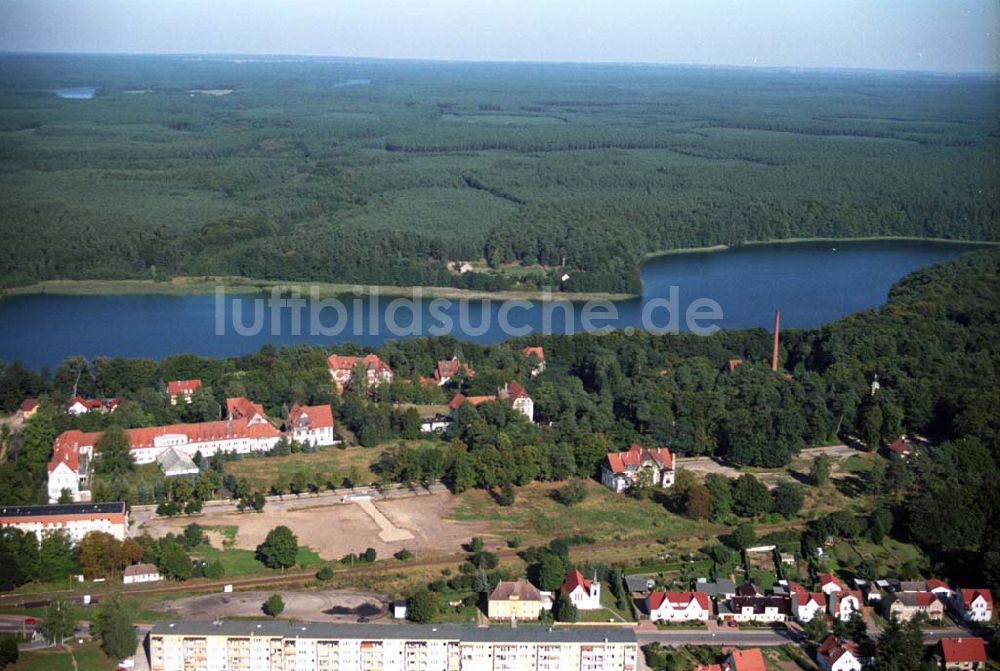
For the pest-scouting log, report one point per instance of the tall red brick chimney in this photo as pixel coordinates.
(777, 327)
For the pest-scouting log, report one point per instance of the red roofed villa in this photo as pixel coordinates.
(445, 370)
(182, 390)
(313, 423)
(539, 354)
(342, 370)
(620, 470)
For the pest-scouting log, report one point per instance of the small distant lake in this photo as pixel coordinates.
(812, 284)
(77, 93)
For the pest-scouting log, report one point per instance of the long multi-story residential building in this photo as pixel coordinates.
(243, 432)
(76, 519)
(286, 646)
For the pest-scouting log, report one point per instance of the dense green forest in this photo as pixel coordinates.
(933, 347)
(383, 172)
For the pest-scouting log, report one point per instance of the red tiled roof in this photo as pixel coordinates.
(828, 578)
(794, 587)
(537, 351)
(90, 404)
(450, 368)
(315, 416)
(176, 387)
(338, 362)
(636, 454)
(748, 660)
(733, 364)
(373, 362)
(243, 408)
(513, 391)
(900, 445)
(832, 649)
(678, 599)
(461, 398)
(969, 595)
(971, 649)
(140, 569)
(803, 598)
(29, 404)
(203, 431)
(573, 580)
(66, 450)
(935, 583)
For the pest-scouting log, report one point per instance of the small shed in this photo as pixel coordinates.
(399, 609)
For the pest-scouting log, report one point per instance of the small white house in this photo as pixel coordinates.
(834, 655)
(138, 573)
(829, 583)
(975, 605)
(844, 604)
(806, 605)
(585, 594)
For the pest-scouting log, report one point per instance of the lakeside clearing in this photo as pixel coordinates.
(182, 286)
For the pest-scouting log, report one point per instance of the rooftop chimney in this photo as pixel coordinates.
(777, 327)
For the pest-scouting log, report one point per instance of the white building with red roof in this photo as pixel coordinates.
(829, 583)
(539, 354)
(69, 466)
(519, 398)
(737, 660)
(845, 604)
(963, 653)
(585, 594)
(975, 605)
(342, 367)
(679, 606)
(240, 407)
(181, 391)
(807, 605)
(76, 519)
(620, 470)
(447, 369)
(313, 423)
(28, 408)
(79, 405)
(835, 655)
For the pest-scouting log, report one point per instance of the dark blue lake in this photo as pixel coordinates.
(812, 284)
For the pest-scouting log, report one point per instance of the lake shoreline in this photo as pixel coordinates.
(782, 241)
(185, 286)
(188, 286)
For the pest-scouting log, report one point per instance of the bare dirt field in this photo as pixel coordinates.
(325, 606)
(417, 523)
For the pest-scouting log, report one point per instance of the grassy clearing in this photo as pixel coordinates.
(88, 658)
(242, 562)
(332, 463)
(603, 515)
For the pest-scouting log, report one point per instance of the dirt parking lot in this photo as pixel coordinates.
(326, 606)
(334, 530)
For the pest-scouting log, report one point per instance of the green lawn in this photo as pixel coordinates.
(88, 658)
(603, 515)
(242, 562)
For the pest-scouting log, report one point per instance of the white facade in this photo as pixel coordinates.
(77, 521)
(63, 477)
(141, 573)
(805, 609)
(308, 648)
(846, 661)
(320, 436)
(978, 609)
(843, 605)
(679, 607)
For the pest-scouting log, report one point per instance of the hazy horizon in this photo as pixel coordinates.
(897, 35)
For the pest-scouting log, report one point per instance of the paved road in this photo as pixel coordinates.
(750, 637)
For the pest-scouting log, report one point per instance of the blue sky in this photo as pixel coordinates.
(945, 35)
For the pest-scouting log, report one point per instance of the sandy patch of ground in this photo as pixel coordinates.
(326, 606)
(417, 523)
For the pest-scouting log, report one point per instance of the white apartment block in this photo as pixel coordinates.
(76, 519)
(284, 646)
